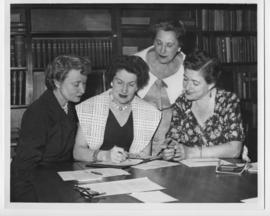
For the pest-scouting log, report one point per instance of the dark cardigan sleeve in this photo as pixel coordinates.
(32, 139)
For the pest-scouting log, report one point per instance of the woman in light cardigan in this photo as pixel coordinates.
(117, 122)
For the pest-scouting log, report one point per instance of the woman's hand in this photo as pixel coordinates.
(116, 155)
(168, 149)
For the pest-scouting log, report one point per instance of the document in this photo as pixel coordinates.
(250, 200)
(155, 164)
(126, 163)
(201, 162)
(124, 186)
(91, 174)
(153, 197)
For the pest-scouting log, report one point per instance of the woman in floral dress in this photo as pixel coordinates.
(206, 120)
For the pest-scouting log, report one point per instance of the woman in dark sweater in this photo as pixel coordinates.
(49, 125)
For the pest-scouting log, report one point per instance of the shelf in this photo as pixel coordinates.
(76, 34)
(18, 106)
(229, 33)
(18, 68)
(237, 64)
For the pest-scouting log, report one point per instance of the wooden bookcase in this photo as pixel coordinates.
(101, 32)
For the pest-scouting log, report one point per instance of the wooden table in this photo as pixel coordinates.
(188, 185)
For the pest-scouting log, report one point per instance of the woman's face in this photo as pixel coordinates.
(195, 86)
(72, 87)
(166, 46)
(124, 86)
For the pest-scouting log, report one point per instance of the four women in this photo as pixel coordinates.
(204, 121)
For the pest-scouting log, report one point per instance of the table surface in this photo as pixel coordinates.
(188, 185)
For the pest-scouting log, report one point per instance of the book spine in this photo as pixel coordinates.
(13, 88)
(19, 47)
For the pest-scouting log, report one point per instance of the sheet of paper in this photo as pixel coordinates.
(124, 186)
(155, 164)
(250, 200)
(91, 174)
(79, 175)
(201, 162)
(153, 197)
(128, 162)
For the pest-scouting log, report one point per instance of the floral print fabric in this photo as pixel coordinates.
(223, 126)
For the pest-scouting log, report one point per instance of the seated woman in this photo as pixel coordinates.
(117, 121)
(49, 125)
(206, 120)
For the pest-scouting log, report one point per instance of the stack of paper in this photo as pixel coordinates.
(124, 186)
(155, 164)
(91, 174)
(201, 162)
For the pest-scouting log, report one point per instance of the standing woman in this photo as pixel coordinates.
(165, 60)
(206, 120)
(49, 125)
(117, 121)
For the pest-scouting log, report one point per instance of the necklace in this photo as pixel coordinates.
(117, 106)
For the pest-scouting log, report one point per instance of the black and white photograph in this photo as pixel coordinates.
(128, 108)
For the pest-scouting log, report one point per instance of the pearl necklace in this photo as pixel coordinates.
(117, 106)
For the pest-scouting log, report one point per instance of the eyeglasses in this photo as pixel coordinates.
(231, 168)
(86, 192)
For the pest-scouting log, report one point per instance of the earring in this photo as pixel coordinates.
(179, 49)
(111, 84)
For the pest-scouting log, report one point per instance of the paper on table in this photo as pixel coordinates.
(155, 164)
(201, 162)
(250, 200)
(124, 186)
(153, 197)
(79, 175)
(126, 163)
(87, 174)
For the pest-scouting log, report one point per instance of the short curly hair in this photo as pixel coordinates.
(176, 26)
(199, 60)
(133, 64)
(61, 65)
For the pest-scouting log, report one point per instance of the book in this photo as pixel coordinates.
(21, 87)
(13, 88)
(19, 48)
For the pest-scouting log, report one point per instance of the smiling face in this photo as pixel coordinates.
(195, 86)
(72, 87)
(124, 86)
(166, 46)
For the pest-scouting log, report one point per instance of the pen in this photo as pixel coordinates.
(97, 173)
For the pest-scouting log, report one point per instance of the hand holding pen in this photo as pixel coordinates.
(118, 154)
(168, 150)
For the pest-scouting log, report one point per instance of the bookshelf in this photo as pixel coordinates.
(100, 32)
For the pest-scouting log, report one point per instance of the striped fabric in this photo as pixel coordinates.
(93, 114)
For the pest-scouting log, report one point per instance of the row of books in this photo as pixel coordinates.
(232, 49)
(246, 82)
(250, 114)
(17, 51)
(229, 20)
(98, 50)
(18, 81)
(17, 28)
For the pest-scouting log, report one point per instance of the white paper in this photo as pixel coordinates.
(124, 186)
(201, 162)
(91, 174)
(153, 197)
(250, 200)
(128, 162)
(155, 164)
